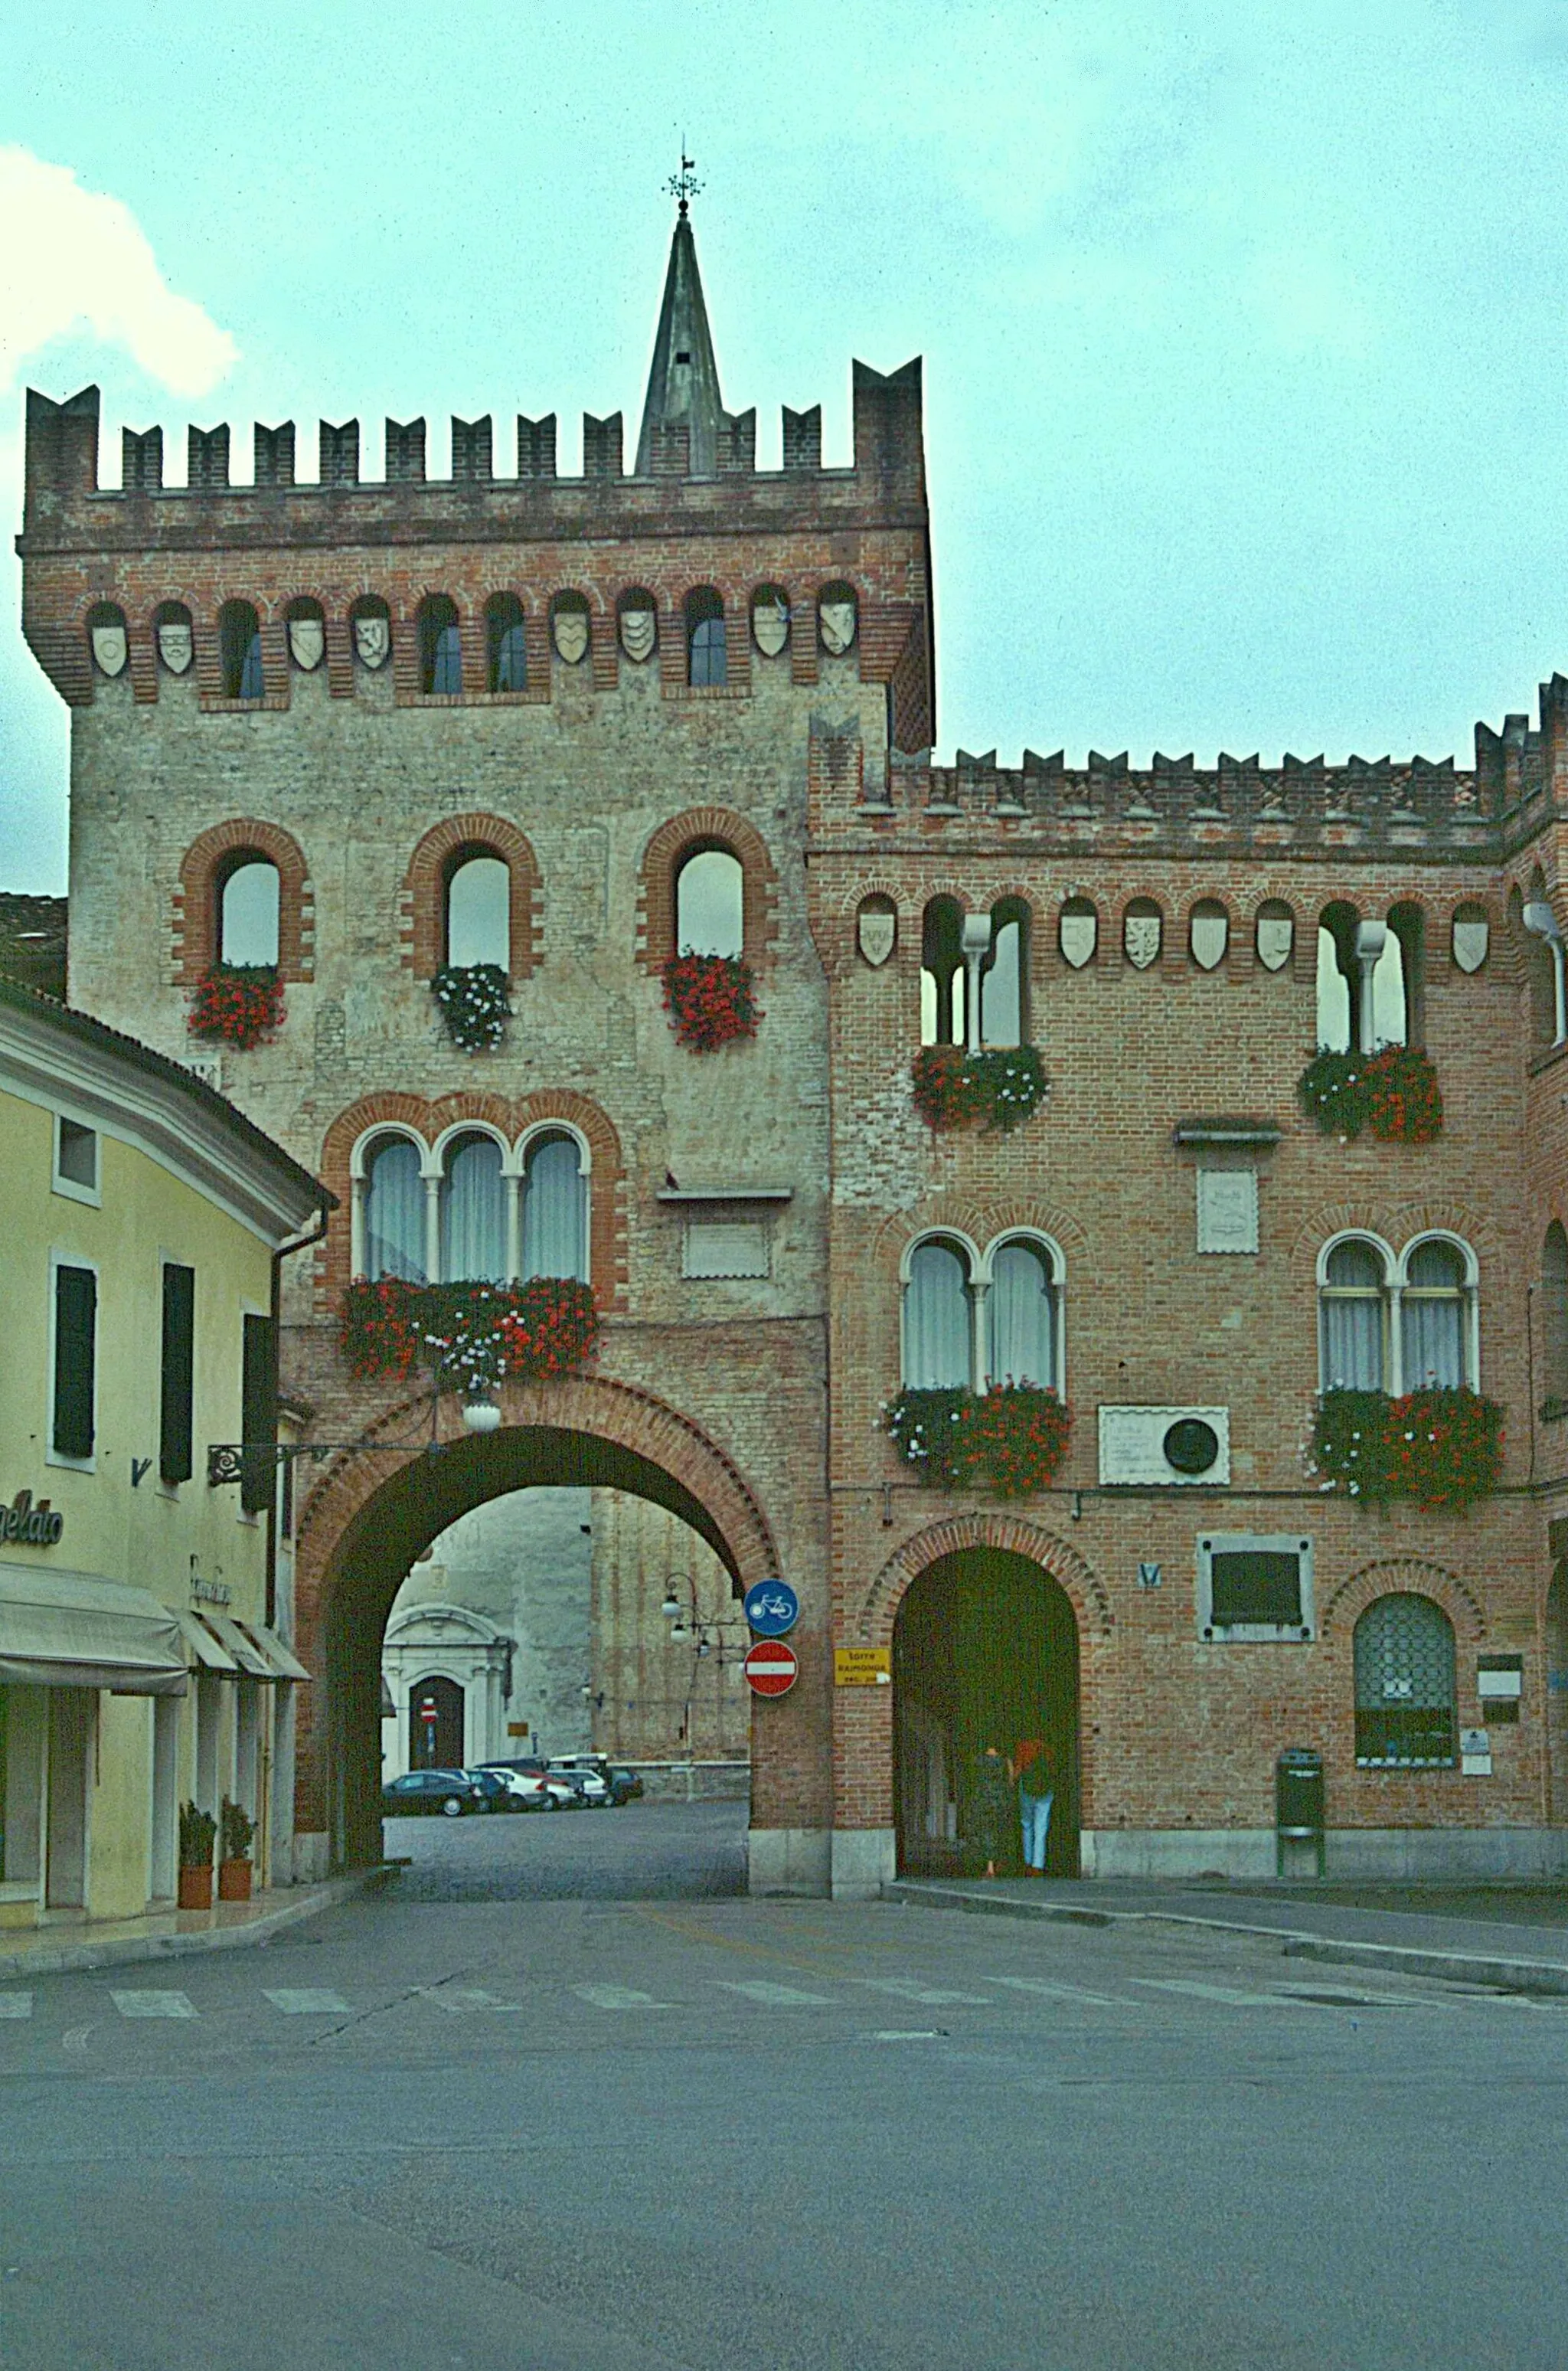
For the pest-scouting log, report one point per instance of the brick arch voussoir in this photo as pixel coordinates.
(994, 1219)
(656, 882)
(1402, 1574)
(193, 925)
(1398, 1223)
(421, 923)
(871, 1622)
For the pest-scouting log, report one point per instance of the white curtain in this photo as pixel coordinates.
(473, 1213)
(395, 1213)
(936, 1321)
(1021, 1310)
(1352, 1344)
(554, 1231)
(1433, 1319)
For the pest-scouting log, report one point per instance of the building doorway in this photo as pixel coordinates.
(984, 1652)
(1557, 1693)
(435, 1725)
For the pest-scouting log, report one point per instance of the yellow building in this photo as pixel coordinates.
(145, 1607)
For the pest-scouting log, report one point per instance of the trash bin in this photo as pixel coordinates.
(1298, 1804)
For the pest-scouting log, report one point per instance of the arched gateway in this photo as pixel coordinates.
(375, 1509)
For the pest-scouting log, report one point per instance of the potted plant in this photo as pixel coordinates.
(234, 1869)
(197, 1831)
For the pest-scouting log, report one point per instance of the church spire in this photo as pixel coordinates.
(682, 385)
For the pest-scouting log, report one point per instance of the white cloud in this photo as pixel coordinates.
(72, 261)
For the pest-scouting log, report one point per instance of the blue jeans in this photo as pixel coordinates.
(1035, 1814)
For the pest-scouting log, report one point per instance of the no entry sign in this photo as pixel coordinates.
(771, 1668)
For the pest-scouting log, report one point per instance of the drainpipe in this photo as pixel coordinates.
(283, 1252)
(1539, 920)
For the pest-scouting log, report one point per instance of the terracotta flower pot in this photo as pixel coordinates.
(196, 1887)
(233, 1880)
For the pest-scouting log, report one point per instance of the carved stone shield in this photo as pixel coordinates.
(175, 648)
(307, 641)
(373, 641)
(1079, 934)
(1211, 936)
(835, 622)
(1472, 940)
(639, 635)
(1141, 938)
(109, 651)
(770, 627)
(570, 631)
(1276, 936)
(876, 931)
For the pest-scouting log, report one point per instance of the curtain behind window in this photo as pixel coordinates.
(394, 1213)
(1022, 1314)
(936, 1321)
(1353, 1320)
(1433, 1328)
(473, 1214)
(555, 1234)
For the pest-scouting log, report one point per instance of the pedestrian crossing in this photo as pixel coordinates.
(997, 1990)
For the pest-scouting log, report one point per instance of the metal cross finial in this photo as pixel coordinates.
(685, 184)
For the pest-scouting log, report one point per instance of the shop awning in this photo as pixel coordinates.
(208, 1655)
(77, 1630)
(286, 1663)
(252, 1662)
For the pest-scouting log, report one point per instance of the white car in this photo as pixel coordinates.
(590, 1785)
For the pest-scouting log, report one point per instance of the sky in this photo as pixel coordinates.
(1244, 328)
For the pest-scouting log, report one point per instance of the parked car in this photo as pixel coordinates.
(590, 1787)
(451, 1792)
(532, 1790)
(625, 1786)
(506, 1790)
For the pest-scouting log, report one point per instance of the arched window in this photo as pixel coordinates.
(770, 620)
(441, 645)
(394, 1232)
(555, 1208)
(1275, 936)
(707, 656)
(1022, 1308)
(1353, 1302)
(942, 980)
(1004, 977)
(372, 623)
(176, 638)
(239, 651)
(1143, 932)
(1434, 1318)
(1337, 979)
(478, 910)
(307, 624)
(506, 643)
(1406, 1699)
(1209, 933)
(938, 1336)
(107, 638)
(248, 911)
(838, 619)
(1079, 931)
(637, 623)
(710, 903)
(1469, 936)
(1554, 1318)
(473, 1212)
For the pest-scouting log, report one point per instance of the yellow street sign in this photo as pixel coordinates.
(862, 1667)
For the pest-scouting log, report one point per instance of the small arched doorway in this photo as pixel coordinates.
(435, 1725)
(984, 1652)
(1557, 1692)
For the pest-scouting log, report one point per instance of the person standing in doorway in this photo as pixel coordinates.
(993, 1804)
(1032, 1766)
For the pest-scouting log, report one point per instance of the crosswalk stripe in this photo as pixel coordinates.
(616, 1996)
(1226, 1992)
(905, 1989)
(777, 1995)
(16, 2004)
(150, 2004)
(468, 2000)
(305, 2000)
(1059, 1992)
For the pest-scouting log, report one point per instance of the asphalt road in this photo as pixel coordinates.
(581, 2133)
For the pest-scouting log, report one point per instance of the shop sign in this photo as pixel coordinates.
(36, 1526)
(862, 1667)
(210, 1592)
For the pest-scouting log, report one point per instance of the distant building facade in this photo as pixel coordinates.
(395, 741)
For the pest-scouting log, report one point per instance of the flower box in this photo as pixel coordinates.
(1393, 1094)
(475, 1334)
(711, 1000)
(476, 1004)
(1012, 1438)
(1438, 1449)
(1000, 1086)
(233, 1880)
(236, 1004)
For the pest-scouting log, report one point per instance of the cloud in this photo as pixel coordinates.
(70, 259)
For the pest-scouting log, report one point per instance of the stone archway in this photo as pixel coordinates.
(373, 1512)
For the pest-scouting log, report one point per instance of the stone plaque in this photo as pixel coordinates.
(1227, 1209)
(308, 643)
(638, 633)
(770, 626)
(1141, 936)
(1472, 940)
(1277, 937)
(109, 651)
(373, 641)
(568, 631)
(877, 931)
(725, 1247)
(174, 647)
(1079, 935)
(836, 623)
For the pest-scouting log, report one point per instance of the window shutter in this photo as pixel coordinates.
(174, 1463)
(258, 1428)
(75, 1343)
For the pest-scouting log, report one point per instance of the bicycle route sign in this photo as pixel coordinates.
(772, 1608)
(771, 1668)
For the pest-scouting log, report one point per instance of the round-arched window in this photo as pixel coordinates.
(473, 1212)
(478, 902)
(1406, 1699)
(395, 1211)
(710, 903)
(1353, 1304)
(247, 913)
(938, 1354)
(555, 1208)
(1021, 1315)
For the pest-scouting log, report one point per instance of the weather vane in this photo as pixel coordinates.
(685, 184)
